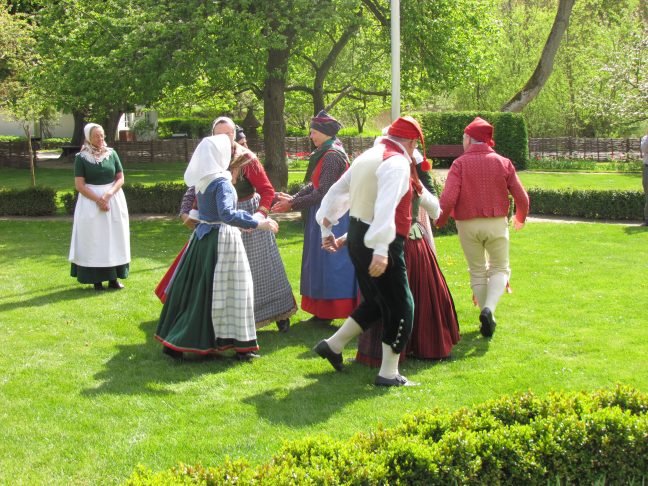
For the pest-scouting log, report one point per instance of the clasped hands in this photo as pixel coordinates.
(103, 202)
(283, 204)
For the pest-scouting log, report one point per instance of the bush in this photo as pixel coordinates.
(563, 438)
(193, 127)
(590, 204)
(510, 131)
(35, 201)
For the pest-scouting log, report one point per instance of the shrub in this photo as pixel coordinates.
(510, 131)
(594, 204)
(35, 201)
(563, 438)
(193, 127)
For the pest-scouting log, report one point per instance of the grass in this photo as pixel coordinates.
(580, 180)
(86, 395)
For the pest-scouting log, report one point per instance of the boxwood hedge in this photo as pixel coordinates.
(562, 438)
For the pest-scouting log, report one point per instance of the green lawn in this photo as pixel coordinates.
(582, 180)
(86, 394)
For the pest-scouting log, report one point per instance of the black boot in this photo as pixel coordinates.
(115, 284)
(98, 286)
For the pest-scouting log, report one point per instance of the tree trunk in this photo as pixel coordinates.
(545, 64)
(110, 125)
(30, 150)
(274, 127)
(79, 122)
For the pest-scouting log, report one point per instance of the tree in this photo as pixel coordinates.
(545, 64)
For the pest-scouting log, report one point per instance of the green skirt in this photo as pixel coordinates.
(186, 320)
(91, 275)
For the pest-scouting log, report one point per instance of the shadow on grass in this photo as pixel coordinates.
(327, 394)
(633, 230)
(142, 369)
(66, 293)
(471, 345)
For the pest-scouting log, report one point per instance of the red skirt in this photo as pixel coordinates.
(436, 328)
(162, 287)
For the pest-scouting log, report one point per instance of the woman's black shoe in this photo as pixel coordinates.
(115, 284)
(283, 325)
(98, 286)
(172, 353)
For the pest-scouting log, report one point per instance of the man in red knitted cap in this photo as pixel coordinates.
(377, 192)
(476, 196)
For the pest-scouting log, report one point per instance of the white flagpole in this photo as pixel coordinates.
(395, 58)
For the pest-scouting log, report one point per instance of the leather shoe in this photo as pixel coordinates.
(283, 325)
(318, 321)
(115, 284)
(326, 352)
(98, 286)
(398, 380)
(247, 356)
(487, 322)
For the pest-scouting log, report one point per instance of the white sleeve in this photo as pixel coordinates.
(393, 183)
(430, 203)
(335, 203)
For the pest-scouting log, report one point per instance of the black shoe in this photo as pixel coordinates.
(283, 325)
(326, 352)
(487, 322)
(318, 321)
(98, 286)
(398, 380)
(247, 356)
(172, 353)
(115, 285)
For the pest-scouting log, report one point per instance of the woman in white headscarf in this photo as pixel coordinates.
(209, 307)
(100, 246)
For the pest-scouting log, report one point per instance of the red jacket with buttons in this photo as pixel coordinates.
(478, 186)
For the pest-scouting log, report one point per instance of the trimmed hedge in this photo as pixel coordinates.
(34, 201)
(563, 438)
(588, 203)
(510, 131)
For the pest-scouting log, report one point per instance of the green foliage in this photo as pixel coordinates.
(592, 204)
(510, 133)
(35, 201)
(523, 439)
(193, 127)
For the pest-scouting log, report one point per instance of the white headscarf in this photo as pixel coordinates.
(91, 153)
(210, 161)
(228, 121)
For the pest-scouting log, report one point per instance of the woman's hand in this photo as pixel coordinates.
(268, 224)
(333, 244)
(187, 221)
(282, 206)
(104, 201)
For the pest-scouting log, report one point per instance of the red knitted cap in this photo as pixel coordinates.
(480, 130)
(408, 128)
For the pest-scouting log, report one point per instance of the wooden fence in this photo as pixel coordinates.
(600, 149)
(14, 154)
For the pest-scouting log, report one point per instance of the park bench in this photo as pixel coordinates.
(445, 151)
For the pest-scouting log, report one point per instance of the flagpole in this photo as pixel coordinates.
(395, 58)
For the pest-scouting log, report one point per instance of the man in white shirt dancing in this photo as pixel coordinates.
(377, 191)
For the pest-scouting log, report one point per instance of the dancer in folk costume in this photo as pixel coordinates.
(209, 307)
(476, 195)
(435, 330)
(328, 284)
(377, 190)
(100, 246)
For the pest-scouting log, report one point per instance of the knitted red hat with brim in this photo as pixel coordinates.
(480, 130)
(408, 128)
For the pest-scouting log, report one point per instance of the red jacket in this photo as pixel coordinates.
(478, 186)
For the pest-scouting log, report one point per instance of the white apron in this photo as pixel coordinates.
(100, 238)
